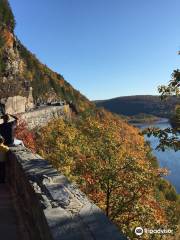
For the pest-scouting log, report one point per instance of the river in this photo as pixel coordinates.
(168, 159)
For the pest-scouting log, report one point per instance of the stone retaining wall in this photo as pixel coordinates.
(52, 207)
(41, 116)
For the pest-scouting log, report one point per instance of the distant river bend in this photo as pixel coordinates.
(168, 159)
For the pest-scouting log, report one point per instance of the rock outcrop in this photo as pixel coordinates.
(18, 104)
(15, 96)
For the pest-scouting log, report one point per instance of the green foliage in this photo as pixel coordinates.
(169, 137)
(2, 65)
(175, 119)
(6, 16)
(172, 88)
(167, 189)
(1, 42)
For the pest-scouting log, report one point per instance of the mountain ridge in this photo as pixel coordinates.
(137, 104)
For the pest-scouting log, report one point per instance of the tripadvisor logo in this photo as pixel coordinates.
(139, 231)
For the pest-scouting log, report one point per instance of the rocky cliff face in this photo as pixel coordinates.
(12, 67)
(23, 75)
(15, 96)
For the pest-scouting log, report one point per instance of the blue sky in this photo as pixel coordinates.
(104, 48)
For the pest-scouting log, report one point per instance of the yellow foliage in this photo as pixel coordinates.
(109, 161)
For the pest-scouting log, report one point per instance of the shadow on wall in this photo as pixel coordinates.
(53, 208)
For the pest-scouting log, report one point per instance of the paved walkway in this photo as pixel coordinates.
(8, 219)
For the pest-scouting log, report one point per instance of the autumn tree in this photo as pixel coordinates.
(112, 164)
(26, 135)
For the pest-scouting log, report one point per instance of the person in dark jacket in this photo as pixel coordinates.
(3, 158)
(7, 129)
(73, 107)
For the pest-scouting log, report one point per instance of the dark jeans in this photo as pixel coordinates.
(2, 172)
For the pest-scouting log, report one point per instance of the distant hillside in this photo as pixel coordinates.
(20, 70)
(133, 105)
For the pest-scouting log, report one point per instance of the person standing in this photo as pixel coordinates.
(7, 129)
(3, 157)
(73, 107)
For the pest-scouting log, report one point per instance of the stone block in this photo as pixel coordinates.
(54, 208)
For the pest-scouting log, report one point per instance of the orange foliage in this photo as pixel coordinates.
(26, 135)
(8, 37)
(110, 162)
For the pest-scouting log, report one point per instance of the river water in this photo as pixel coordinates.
(168, 159)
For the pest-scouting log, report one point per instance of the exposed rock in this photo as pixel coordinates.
(15, 105)
(11, 83)
(30, 101)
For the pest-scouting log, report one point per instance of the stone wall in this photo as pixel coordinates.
(53, 208)
(42, 116)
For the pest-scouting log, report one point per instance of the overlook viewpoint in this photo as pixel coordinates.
(39, 203)
(76, 169)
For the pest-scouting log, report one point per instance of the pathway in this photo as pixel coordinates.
(8, 219)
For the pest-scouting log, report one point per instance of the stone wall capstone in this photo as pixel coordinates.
(52, 207)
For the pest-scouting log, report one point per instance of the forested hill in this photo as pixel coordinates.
(20, 69)
(133, 105)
